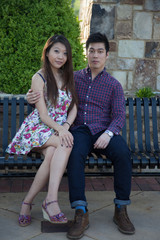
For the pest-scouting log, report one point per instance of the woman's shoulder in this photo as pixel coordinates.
(39, 75)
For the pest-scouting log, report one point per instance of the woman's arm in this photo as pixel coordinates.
(71, 117)
(38, 85)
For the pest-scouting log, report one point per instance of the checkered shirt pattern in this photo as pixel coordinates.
(101, 102)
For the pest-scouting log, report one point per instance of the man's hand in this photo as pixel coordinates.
(32, 97)
(102, 142)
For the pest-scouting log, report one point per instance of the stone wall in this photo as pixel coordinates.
(133, 30)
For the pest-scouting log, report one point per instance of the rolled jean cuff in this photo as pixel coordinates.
(79, 203)
(121, 202)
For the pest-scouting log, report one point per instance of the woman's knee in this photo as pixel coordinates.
(67, 149)
(48, 154)
(48, 150)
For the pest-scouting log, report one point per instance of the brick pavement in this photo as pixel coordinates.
(92, 184)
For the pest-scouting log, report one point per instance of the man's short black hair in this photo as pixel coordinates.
(96, 38)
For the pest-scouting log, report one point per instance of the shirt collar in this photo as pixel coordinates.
(88, 70)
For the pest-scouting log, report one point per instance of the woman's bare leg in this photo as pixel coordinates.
(52, 168)
(40, 179)
(57, 168)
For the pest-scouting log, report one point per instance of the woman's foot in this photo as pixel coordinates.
(52, 212)
(25, 214)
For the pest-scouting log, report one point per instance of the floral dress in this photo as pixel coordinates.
(33, 132)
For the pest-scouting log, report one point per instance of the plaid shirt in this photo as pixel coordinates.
(101, 102)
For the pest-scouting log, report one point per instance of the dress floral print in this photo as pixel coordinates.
(33, 132)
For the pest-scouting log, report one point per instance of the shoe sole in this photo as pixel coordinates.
(121, 230)
(78, 237)
(46, 217)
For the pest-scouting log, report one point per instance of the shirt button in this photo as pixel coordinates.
(86, 104)
(89, 86)
(85, 113)
(89, 77)
(87, 96)
(85, 123)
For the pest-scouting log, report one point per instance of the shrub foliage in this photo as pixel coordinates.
(145, 92)
(25, 27)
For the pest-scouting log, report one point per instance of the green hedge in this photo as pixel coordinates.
(25, 27)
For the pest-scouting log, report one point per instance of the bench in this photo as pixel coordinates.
(141, 132)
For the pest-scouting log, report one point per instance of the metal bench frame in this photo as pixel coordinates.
(140, 131)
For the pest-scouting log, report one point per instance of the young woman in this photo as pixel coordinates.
(46, 128)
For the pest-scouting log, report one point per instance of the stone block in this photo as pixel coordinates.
(102, 20)
(145, 73)
(130, 80)
(152, 50)
(111, 61)
(131, 48)
(124, 12)
(152, 5)
(158, 83)
(142, 25)
(137, 7)
(121, 77)
(135, 2)
(125, 64)
(159, 67)
(106, 1)
(123, 30)
(156, 26)
(112, 46)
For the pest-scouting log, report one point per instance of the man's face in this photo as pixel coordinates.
(97, 56)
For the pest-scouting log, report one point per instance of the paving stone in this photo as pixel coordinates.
(88, 184)
(64, 185)
(27, 184)
(135, 186)
(149, 184)
(16, 185)
(108, 183)
(5, 185)
(97, 184)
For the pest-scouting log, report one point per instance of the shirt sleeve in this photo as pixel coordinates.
(117, 109)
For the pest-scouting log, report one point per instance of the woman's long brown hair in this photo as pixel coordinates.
(67, 71)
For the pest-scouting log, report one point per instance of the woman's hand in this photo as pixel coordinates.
(66, 137)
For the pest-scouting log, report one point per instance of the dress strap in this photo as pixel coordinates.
(41, 76)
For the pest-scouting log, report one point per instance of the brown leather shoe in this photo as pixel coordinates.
(79, 225)
(122, 220)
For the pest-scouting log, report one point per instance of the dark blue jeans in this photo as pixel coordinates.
(117, 151)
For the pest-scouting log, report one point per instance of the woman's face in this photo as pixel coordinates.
(57, 55)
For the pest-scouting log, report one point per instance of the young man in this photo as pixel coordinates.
(101, 116)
